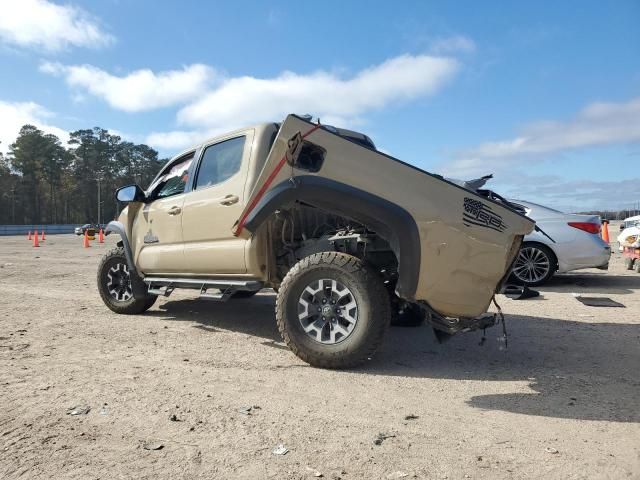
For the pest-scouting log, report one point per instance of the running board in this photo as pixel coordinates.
(164, 286)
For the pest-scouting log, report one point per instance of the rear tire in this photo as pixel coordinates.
(116, 285)
(332, 310)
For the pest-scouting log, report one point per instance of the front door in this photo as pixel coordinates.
(213, 206)
(158, 227)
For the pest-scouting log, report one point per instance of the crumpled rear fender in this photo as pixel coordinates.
(388, 220)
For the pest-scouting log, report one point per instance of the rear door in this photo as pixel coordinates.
(214, 204)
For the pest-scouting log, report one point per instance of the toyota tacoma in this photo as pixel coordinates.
(349, 237)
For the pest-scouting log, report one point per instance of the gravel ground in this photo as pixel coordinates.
(562, 402)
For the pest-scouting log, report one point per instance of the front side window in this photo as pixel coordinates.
(174, 180)
(220, 162)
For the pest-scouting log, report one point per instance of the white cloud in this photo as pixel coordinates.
(14, 115)
(243, 100)
(45, 25)
(237, 101)
(177, 139)
(139, 90)
(223, 103)
(597, 124)
(454, 44)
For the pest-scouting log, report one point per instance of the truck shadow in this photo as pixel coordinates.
(253, 316)
(566, 369)
(577, 370)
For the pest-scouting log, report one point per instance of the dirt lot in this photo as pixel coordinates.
(562, 402)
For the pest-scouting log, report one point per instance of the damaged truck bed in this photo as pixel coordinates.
(349, 237)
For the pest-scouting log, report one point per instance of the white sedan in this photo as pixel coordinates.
(572, 242)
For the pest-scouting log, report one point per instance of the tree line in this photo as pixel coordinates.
(43, 181)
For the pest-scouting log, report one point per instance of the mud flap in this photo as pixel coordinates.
(445, 328)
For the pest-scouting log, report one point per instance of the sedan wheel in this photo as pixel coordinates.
(534, 265)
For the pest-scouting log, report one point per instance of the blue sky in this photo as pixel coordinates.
(545, 95)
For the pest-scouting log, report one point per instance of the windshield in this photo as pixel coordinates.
(528, 204)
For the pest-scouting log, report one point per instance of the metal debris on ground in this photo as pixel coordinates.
(103, 410)
(280, 450)
(152, 446)
(246, 410)
(398, 474)
(314, 472)
(517, 292)
(599, 302)
(551, 450)
(381, 437)
(79, 410)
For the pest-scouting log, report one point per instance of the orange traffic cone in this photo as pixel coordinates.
(42, 239)
(605, 231)
(100, 236)
(29, 236)
(85, 242)
(35, 239)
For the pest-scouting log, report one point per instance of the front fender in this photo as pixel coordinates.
(117, 227)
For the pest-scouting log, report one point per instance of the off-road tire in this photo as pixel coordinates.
(367, 289)
(133, 305)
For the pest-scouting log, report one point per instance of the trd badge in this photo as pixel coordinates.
(477, 213)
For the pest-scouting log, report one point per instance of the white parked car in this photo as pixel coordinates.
(630, 222)
(573, 243)
(628, 227)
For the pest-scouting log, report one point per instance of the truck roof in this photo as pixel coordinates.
(357, 137)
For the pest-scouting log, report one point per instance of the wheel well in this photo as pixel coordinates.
(547, 247)
(371, 215)
(300, 230)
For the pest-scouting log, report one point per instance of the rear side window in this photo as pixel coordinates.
(220, 162)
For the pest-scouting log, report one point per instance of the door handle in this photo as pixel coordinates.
(229, 200)
(174, 211)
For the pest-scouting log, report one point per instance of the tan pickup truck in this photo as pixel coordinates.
(349, 237)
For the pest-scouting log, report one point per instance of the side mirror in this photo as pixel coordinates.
(130, 193)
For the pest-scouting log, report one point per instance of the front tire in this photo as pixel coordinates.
(116, 282)
(332, 310)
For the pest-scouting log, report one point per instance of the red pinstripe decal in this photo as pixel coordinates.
(266, 185)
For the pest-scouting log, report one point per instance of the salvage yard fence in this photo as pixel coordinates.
(48, 229)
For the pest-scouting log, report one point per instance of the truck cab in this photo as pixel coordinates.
(185, 224)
